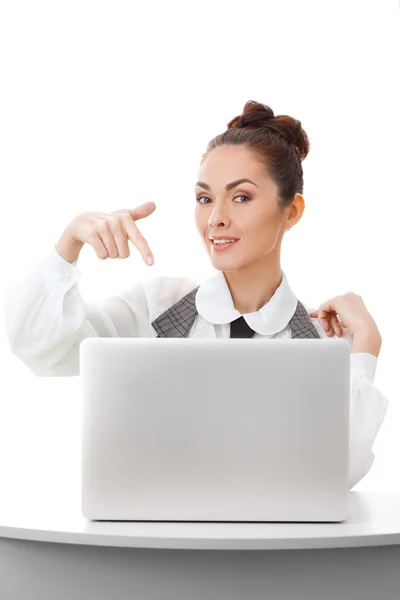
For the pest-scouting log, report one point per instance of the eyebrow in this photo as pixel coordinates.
(228, 187)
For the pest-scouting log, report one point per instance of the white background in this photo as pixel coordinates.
(111, 104)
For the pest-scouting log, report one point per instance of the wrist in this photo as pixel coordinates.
(369, 342)
(68, 248)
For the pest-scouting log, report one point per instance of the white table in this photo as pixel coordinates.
(48, 553)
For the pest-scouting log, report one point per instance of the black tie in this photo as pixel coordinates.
(240, 329)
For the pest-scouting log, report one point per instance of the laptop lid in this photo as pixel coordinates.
(215, 429)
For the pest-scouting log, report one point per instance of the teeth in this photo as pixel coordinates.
(223, 241)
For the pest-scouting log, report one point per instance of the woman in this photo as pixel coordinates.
(248, 193)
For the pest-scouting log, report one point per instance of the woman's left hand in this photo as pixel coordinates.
(346, 311)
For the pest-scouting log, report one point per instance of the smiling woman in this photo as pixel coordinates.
(248, 193)
(253, 177)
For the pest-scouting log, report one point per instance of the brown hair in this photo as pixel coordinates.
(278, 142)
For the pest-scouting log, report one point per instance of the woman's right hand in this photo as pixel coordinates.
(108, 233)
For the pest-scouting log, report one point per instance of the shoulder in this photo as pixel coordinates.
(164, 291)
(172, 288)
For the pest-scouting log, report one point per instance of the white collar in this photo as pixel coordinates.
(214, 303)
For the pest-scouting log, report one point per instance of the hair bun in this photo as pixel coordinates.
(256, 115)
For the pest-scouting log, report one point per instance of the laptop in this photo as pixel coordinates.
(227, 430)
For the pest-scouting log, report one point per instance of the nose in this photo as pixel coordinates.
(217, 218)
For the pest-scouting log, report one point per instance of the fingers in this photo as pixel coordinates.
(98, 245)
(334, 326)
(329, 321)
(126, 229)
(136, 237)
(331, 324)
(324, 318)
(120, 238)
(106, 236)
(139, 212)
(109, 233)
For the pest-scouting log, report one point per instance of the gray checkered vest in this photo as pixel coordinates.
(177, 320)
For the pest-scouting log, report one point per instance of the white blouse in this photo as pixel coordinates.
(46, 318)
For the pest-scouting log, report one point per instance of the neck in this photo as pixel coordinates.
(252, 286)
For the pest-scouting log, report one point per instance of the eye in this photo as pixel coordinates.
(239, 196)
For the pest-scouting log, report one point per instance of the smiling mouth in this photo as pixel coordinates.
(219, 247)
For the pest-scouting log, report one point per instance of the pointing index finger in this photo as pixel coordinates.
(137, 239)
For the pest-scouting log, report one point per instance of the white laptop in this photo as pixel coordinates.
(190, 429)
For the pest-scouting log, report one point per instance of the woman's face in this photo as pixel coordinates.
(247, 211)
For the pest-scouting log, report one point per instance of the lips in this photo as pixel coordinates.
(222, 238)
(217, 248)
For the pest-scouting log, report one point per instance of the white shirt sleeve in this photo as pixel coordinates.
(46, 317)
(368, 407)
